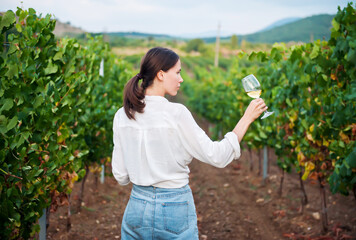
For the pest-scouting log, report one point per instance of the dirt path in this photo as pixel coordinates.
(231, 204)
(226, 201)
(226, 208)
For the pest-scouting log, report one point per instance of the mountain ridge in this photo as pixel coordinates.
(303, 30)
(280, 22)
(284, 30)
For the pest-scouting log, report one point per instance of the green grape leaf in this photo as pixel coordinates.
(26, 168)
(51, 68)
(12, 123)
(64, 134)
(3, 123)
(12, 49)
(353, 181)
(289, 102)
(18, 27)
(81, 173)
(335, 24)
(304, 124)
(263, 135)
(315, 51)
(352, 44)
(38, 101)
(58, 56)
(351, 55)
(7, 105)
(13, 71)
(351, 159)
(38, 172)
(7, 19)
(20, 142)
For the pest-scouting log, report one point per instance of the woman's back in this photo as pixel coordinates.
(153, 154)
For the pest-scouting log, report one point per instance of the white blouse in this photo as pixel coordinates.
(156, 148)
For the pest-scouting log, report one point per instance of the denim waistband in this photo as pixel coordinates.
(155, 192)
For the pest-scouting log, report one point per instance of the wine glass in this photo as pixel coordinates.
(253, 89)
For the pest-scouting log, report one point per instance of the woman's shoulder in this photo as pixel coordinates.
(178, 108)
(119, 113)
(121, 110)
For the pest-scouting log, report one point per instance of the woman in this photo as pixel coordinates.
(154, 141)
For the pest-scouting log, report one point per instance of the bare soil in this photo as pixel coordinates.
(232, 203)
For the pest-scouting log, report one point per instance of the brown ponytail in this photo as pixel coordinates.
(156, 59)
(133, 96)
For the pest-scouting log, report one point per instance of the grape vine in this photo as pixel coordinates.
(55, 116)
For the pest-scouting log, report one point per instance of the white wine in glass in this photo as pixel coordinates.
(254, 94)
(253, 89)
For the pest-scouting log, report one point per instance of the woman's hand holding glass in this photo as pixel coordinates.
(255, 109)
(253, 89)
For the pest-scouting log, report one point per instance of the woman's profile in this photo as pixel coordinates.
(154, 142)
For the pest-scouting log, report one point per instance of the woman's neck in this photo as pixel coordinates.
(155, 90)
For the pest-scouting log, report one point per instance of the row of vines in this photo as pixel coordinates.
(312, 90)
(56, 114)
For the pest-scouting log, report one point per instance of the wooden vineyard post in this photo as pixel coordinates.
(101, 70)
(324, 215)
(69, 214)
(304, 196)
(81, 194)
(102, 175)
(43, 227)
(259, 163)
(101, 73)
(265, 164)
(251, 160)
(281, 183)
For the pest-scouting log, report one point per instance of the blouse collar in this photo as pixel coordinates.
(155, 98)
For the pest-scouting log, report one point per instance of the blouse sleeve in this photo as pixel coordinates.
(118, 165)
(201, 147)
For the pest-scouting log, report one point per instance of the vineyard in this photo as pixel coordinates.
(58, 98)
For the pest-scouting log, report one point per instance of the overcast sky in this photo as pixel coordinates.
(175, 17)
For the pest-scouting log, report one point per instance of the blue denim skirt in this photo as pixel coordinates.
(160, 213)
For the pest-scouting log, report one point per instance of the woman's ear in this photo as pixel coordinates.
(160, 75)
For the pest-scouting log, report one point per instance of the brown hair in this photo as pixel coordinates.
(156, 59)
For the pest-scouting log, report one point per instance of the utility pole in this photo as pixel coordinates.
(311, 37)
(106, 37)
(216, 62)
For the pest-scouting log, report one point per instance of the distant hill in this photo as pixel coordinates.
(206, 34)
(285, 30)
(280, 23)
(303, 30)
(63, 29)
(138, 35)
